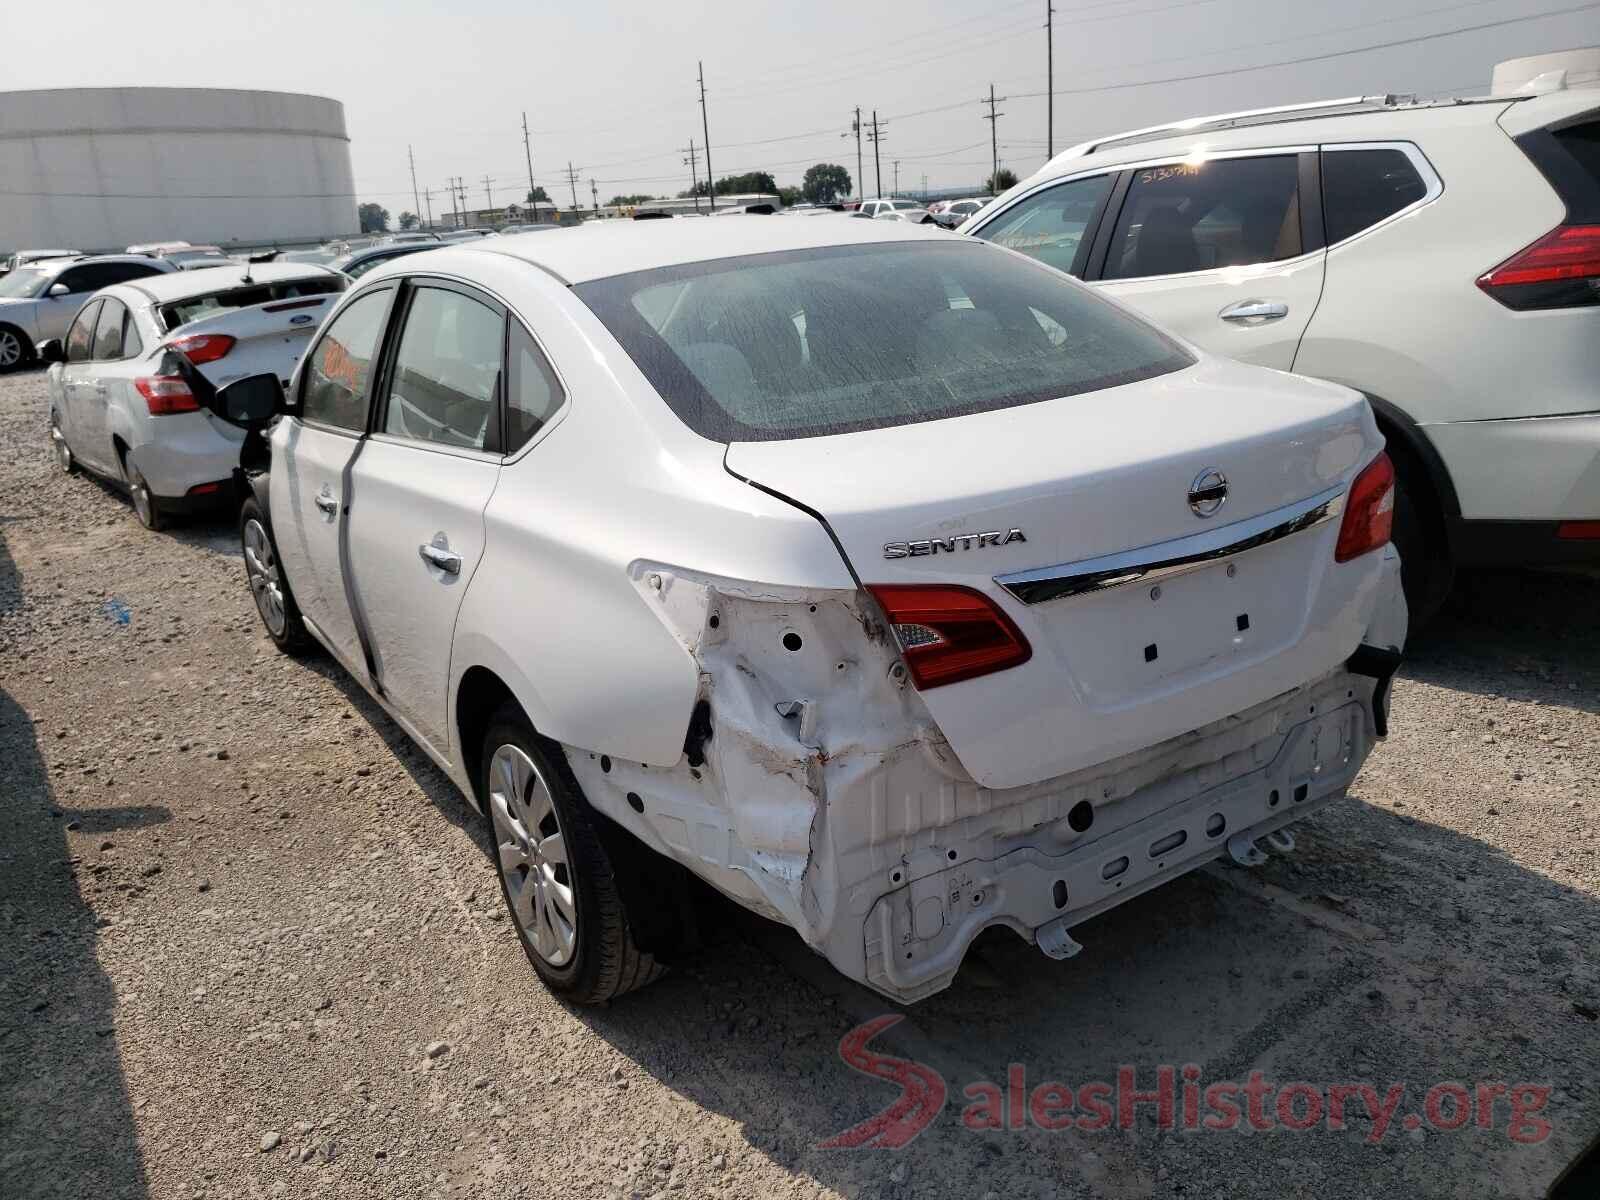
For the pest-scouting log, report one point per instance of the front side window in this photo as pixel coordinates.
(1049, 225)
(339, 370)
(1198, 216)
(95, 276)
(1362, 187)
(811, 342)
(446, 371)
(108, 330)
(80, 338)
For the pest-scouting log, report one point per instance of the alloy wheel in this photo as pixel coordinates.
(261, 568)
(143, 504)
(10, 350)
(532, 853)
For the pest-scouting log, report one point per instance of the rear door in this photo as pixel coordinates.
(419, 488)
(77, 387)
(1227, 252)
(311, 460)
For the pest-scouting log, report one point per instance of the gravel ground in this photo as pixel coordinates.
(254, 946)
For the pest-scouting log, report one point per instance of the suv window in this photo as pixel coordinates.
(80, 338)
(1362, 187)
(1049, 225)
(108, 330)
(534, 393)
(340, 367)
(94, 276)
(447, 371)
(1197, 216)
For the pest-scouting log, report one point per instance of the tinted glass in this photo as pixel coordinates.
(80, 338)
(1198, 216)
(813, 342)
(181, 312)
(340, 367)
(534, 394)
(447, 371)
(108, 330)
(1362, 187)
(1048, 225)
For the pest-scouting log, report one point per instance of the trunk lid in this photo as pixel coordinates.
(268, 337)
(1084, 479)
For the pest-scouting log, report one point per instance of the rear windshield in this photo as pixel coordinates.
(811, 342)
(181, 312)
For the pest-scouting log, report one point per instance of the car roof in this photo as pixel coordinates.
(606, 248)
(182, 285)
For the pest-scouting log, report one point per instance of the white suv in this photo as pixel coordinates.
(1442, 258)
(816, 558)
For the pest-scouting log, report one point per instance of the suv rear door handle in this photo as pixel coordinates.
(1255, 310)
(447, 561)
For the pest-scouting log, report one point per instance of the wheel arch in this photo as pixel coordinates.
(478, 695)
(1400, 431)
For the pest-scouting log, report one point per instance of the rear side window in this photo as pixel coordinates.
(1198, 216)
(1048, 225)
(446, 372)
(80, 338)
(1569, 158)
(339, 370)
(534, 394)
(108, 330)
(811, 342)
(1362, 187)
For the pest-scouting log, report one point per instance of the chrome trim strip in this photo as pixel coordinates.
(1164, 559)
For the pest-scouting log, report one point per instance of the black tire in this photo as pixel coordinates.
(16, 351)
(605, 962)
(288, 635)
(1426, 572)
(146, 505)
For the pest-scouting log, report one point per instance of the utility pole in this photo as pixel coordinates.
(527, 149)
(875, 137)
(488, 191)
(1050, 81)
(897, 177)
(694, 174)
(427, 195)
(414, 198)
(461, 187)
(994, 136)
(705, 129)
(572, 181)
(454, 211)
(594, 194)
(924, 187)
(855, 128)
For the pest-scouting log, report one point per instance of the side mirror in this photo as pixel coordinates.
(51, 351)
(249, 403)
(58, 289)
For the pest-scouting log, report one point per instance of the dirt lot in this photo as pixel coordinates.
(253, 945)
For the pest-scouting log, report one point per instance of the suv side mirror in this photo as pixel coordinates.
(58, 289)
(249, 403)
(51, 351)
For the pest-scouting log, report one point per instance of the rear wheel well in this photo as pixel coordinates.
(478, 698)
(1430, 495)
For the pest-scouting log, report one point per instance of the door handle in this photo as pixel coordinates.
(1255, 310)
(328, 504)
(446, 560)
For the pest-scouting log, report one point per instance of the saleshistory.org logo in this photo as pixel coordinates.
(1179, 1099)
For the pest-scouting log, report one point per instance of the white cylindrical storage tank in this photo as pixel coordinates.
(105, 168)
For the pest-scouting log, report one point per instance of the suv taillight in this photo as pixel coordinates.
(1368, 511)
(165, 395)
(1560, 270)
(948, 633)
(203, 347)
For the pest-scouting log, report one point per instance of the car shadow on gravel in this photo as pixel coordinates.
(214, 528)
(66, 1119)
(1529, 635)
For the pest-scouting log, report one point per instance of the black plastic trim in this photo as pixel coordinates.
(1519, 544)
(1380, 664)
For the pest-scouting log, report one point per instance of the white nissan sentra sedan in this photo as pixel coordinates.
(897, 586)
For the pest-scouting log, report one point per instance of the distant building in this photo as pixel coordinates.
(105, 168)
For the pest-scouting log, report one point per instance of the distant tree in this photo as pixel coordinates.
(628, 201)
(1001, 180)
(538, 196)
(699, 189)
(789, 195)
(750, 181)
(408, 220)
(825, 183)
(374, 218)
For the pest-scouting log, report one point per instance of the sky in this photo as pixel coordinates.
(612, 88)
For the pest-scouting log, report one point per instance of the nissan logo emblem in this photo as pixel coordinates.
(1208, 493)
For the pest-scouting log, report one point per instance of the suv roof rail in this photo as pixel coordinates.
(1249, 116)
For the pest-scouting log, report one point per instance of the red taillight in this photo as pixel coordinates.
(1559, 270)
(1578, 531)
(948, 634)
(1368, 512)
(204, 489)
(203, 347)
(165, 395)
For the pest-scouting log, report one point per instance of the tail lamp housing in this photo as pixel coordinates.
(949, 633)
(166, 395)
(201, 348)
(1560, 270)
(1368, 511)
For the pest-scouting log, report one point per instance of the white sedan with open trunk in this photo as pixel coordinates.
(896, 586)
